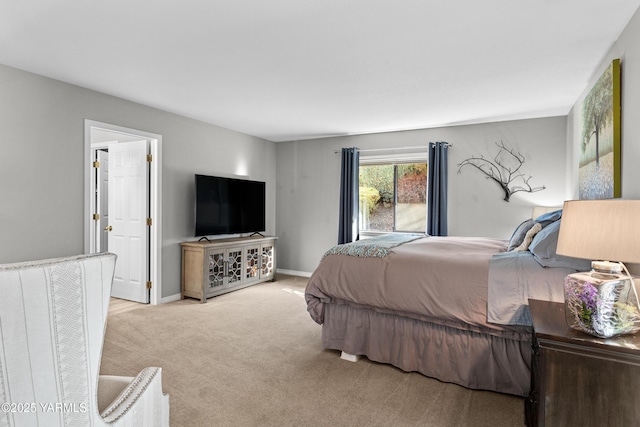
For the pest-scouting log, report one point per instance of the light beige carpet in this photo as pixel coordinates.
(253, 358)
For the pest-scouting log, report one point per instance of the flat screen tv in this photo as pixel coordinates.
(229, 206)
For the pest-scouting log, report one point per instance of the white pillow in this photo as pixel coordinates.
(529, 237)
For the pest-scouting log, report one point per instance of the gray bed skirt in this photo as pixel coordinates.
(492, 360)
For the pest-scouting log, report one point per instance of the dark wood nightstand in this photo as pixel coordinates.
(578, 379)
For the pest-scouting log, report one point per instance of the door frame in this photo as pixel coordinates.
(95, 236)
(155, 198)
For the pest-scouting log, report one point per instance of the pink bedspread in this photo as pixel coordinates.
(440, 279)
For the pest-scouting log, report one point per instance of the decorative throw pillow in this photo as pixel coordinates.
(549, 218)
(518, 235)
(529, 237)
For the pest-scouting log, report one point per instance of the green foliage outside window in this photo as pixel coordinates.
(412, 169)
(369, 196)
(379, 177)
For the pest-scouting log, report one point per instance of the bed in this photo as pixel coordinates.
(451, 308)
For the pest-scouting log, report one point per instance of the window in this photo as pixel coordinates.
(393, 197)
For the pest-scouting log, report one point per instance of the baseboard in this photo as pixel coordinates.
(293, 273)
(176, 297)
(170, 298)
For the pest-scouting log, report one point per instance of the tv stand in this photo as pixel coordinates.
(256, 233)
(215, 267)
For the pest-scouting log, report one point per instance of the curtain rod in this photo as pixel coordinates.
(395, 148)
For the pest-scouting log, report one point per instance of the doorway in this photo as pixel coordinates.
(139, 277)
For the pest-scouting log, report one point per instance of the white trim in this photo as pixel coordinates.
(391, 158)
(383, 160)
(155, 147)
(375, 233)
(293, 273)
(171, 298)
(92, 184)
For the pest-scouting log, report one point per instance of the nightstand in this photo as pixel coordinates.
(578, 379)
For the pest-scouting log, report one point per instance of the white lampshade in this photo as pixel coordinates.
(607, 230)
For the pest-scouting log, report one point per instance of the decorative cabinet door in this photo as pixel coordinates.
(224, 268)
(267, 260)
(234, 266)
(252, 264)
(215, 270)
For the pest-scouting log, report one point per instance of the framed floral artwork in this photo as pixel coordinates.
(599, 164)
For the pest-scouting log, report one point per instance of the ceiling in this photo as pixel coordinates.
(287, 70)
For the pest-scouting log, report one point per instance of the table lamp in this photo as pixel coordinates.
(604, 301)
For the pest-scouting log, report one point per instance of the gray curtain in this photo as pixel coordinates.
(349, 227)
(437, 189)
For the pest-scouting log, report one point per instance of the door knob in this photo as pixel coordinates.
(109, 228)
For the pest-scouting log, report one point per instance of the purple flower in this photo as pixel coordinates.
(588, 296)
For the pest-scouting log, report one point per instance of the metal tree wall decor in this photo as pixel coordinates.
(504, 169)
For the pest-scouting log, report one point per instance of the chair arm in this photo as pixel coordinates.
(141, 403)
(109, 388)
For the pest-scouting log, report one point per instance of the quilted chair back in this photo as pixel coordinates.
(52, 323)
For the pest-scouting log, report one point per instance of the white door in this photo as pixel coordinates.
(127, 200)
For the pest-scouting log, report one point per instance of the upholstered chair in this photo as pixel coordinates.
(52, 321)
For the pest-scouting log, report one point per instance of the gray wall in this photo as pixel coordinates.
(308, 206)
(627, 48)
(41, 166)
(41, 171)
(308, 182)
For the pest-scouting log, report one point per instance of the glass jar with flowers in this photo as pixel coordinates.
(602, 302)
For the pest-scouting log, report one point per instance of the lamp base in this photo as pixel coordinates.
(603, 304)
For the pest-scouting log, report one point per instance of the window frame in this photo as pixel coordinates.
(391, 158)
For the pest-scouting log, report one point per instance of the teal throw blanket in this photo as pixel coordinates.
(379, 246)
